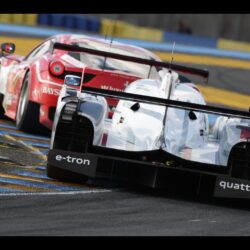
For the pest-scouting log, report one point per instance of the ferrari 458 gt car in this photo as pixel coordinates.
(161, 134)
(30, 85)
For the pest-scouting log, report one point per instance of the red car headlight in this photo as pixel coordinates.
(56, 68)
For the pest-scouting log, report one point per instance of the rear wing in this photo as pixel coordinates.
(167, 102)
(183, 69)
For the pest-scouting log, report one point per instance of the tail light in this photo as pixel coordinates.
(56, 68)
(245, 134)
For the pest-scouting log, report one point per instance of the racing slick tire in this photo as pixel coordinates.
(27, 117)
(64, 175)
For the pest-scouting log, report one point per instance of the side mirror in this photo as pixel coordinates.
(8, 48)
(72, 80)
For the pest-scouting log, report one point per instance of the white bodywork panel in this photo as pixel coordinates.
(179, 135)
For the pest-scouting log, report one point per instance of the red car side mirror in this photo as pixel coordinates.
(7, 48)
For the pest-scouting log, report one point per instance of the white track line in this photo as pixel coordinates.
(57, 193)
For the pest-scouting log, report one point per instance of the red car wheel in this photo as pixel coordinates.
(27, 118)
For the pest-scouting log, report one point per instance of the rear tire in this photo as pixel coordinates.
(27, 118)
(64, 175)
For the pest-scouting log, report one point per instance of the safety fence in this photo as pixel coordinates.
(107, 27)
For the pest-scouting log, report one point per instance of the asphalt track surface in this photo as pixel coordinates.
(33, 205)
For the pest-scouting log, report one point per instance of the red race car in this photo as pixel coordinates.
(30, 85)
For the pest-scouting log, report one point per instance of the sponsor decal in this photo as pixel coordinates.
(50, 91)
(110, 88)
(82, 163)
(234, 185)
(70, 159)
(232, 188)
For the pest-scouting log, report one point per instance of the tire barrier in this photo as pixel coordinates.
(44, 19)
(125, 30)
(57, 20)
(73, 22)
(107, 27)
(70, 22)
(30, 19)
(23, 19)
(5, 18)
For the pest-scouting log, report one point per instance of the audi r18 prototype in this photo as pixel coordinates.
(161, 134)
(30, 85)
